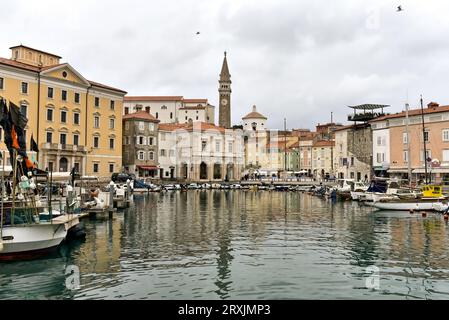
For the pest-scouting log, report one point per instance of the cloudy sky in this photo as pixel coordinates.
(296, 59)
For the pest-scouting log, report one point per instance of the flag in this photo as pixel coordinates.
(3, 112)
(33, 145)
(17, 118)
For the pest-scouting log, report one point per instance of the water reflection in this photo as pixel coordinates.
(243, 244)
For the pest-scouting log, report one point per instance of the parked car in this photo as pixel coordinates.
(122, 177)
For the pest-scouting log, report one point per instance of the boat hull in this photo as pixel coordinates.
(27, 242)
(410, 206)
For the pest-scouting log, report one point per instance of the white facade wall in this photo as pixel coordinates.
(260, 124)
(381, 148)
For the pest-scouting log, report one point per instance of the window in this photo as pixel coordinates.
(352, 161)
(77, 97)
(50, 93)
(76, 118)
(446, 135)
(203, 145)
(140, 155)
(49, 137)
(428, 155)
(217, 146)
(63, 116)
(141, 125)
(151, 126)
(50, 165)
(49, 114)
(405, 156)
(147, 109)
(164, 108)
(96, 142)
(126, 110)
(111, 143)
(24, 88)
(151, 155)
(97, 101)
(63, 138)
(64, 95)
(126, 125)
(157, 115)
(112, 105)
(140, 140)
(77, 166)
(186, 117)
(150, 141)
(426, 136)
(111, 123)
(2, 83)
(163, 153)
(24, 109)
(380, 157)
(96, 122)
(446, 155)
(111, 168)
(126, 140)
(76, 139)
(171, 115)
(405, 138)
(96, 167)
(196, 117)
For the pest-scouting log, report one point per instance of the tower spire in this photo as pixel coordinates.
(224, 74)
(224, 90)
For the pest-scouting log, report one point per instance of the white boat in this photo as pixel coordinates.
(358, 190)
(410, 205)
(216, 186)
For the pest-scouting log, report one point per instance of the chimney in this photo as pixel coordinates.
(254, 108)
(433, 105)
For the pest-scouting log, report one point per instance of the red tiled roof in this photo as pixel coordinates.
(203, 126)
(153, 98)
(100, 85)
(413, 112)
(51, 54)
(344, 128)
(141, 115)
(324, 143)
(193, 108)
(195, 100)
(254, 115)
(28, 67)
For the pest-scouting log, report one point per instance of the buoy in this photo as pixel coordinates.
(424, 214)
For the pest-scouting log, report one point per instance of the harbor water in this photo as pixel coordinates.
(243, 245)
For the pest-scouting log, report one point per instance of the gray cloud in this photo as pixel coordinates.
(295, 59)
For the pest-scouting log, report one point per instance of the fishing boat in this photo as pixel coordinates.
(432, 199)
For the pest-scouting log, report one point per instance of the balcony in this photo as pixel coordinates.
(62, 147)
(364, 117)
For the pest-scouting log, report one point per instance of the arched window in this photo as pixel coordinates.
(203, 171)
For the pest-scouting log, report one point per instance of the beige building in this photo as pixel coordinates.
(75, 122)
(404, 148)
(201, 152)
(322, 159)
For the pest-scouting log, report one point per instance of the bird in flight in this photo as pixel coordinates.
(400, 9)
(197, 32)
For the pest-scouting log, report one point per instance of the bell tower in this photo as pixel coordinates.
(224, 90)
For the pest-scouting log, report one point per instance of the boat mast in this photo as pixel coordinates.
(409, 165)
(424, 140)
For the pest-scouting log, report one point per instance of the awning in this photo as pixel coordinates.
(432, 170)
(148, 168)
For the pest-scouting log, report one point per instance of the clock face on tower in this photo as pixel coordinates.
(224, 102)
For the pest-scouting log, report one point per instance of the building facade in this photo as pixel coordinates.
(353, 152)
(201, 152)
(404, 148)
(75, 122)
(140, 144)
(322, 159)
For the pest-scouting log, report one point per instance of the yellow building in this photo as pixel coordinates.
(75, 122)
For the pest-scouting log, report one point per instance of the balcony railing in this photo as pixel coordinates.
(63, 147)
(364, 116)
